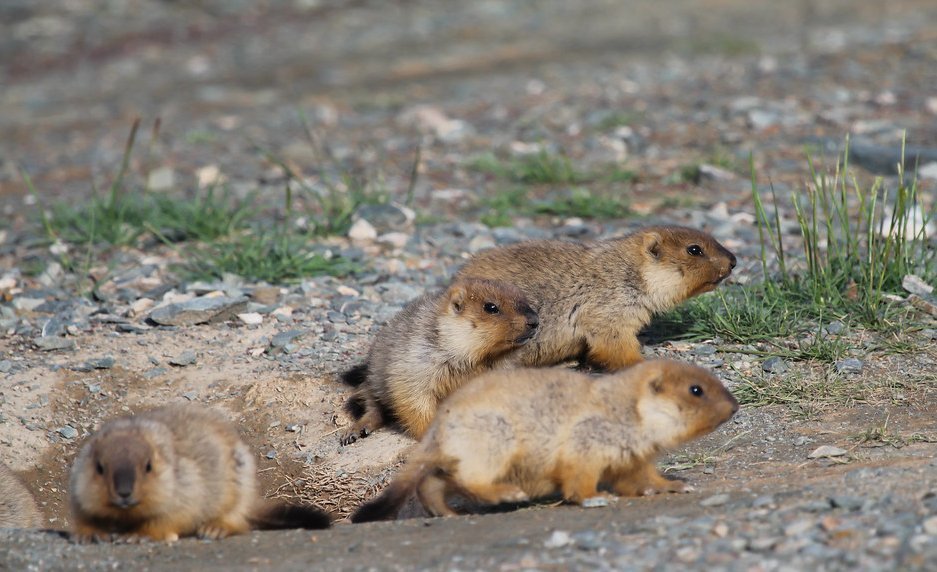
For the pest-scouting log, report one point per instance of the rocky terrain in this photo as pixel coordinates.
(524, 120)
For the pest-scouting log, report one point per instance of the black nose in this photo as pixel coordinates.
(732, 261)
(533, 320)
(124, 479)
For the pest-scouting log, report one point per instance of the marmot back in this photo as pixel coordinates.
(173, 471)
(18, 508)
(515, 435)
(430, 348)
(593, 298)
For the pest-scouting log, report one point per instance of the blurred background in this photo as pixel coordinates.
(656, 86)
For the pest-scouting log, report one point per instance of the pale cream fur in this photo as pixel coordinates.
(515, 434)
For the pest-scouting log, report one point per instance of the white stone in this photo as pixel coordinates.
(285, 311)
(928, 171)
(209, 175)
(558, 539)
(362, 230)
(827, 451)
(930, 526)
(347, 291)
(251, 318)
(161, 179)
(140, 306)
(394, 239)
(916, 285)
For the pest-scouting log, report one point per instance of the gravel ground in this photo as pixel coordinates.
(641, 87)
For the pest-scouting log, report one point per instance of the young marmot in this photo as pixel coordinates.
(593, 298)
(18, 508)
(430, 348)
(514, 435)
(173, 471)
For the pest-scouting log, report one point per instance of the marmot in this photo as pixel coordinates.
(18, 508)
(593, 298)
(173, 471)
(515, 435)
(430, 348)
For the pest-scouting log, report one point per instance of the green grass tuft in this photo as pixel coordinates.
(576, 202)
(582, 203)
(206, 216)
(275, 257)
(540, 168)
(858, 244)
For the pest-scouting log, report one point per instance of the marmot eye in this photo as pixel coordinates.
(491, 308)
(694, 250)
(99, 468)
(149, 466)
(696, 390)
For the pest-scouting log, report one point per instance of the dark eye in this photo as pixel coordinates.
(100, 468)
(149, 466)
(491, 308)
(694, 250)
(696, 390)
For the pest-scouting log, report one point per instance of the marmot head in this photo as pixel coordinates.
(125, 471)
(679, 402)
(689, 261)
(487, 317)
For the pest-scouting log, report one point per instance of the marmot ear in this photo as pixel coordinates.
(656, 384)
(457, 298)
(652, 242)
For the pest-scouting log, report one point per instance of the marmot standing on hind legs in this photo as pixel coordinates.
(593, 298)
(515, 435)
(174, 471)
(432, 346)
(18, 507)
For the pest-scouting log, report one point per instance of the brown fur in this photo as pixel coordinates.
(173, 471)
(593, 298)
(18, 508)
(514, 435)
(430, 348)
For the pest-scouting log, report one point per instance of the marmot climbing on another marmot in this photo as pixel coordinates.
(173, 471)
(593, 298)
(18, 507)
(437, 342)
(515, 435)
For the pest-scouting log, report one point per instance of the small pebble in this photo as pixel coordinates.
(587, 540)
(930, 526)
(558, 539)
(834, 328)
(187, 357)
(715, 500)
(54, 343)
(826, 451)
(5, 366)
(154, 372)
(271, 454)
(595, 502)
(282, 339)
(764, 501)
(704, 350)
(846, 502)
(251, 318)
(106, 362)
(763, 544)
(774, 365)
(68, 432)
(799, 527)
(849, 365)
